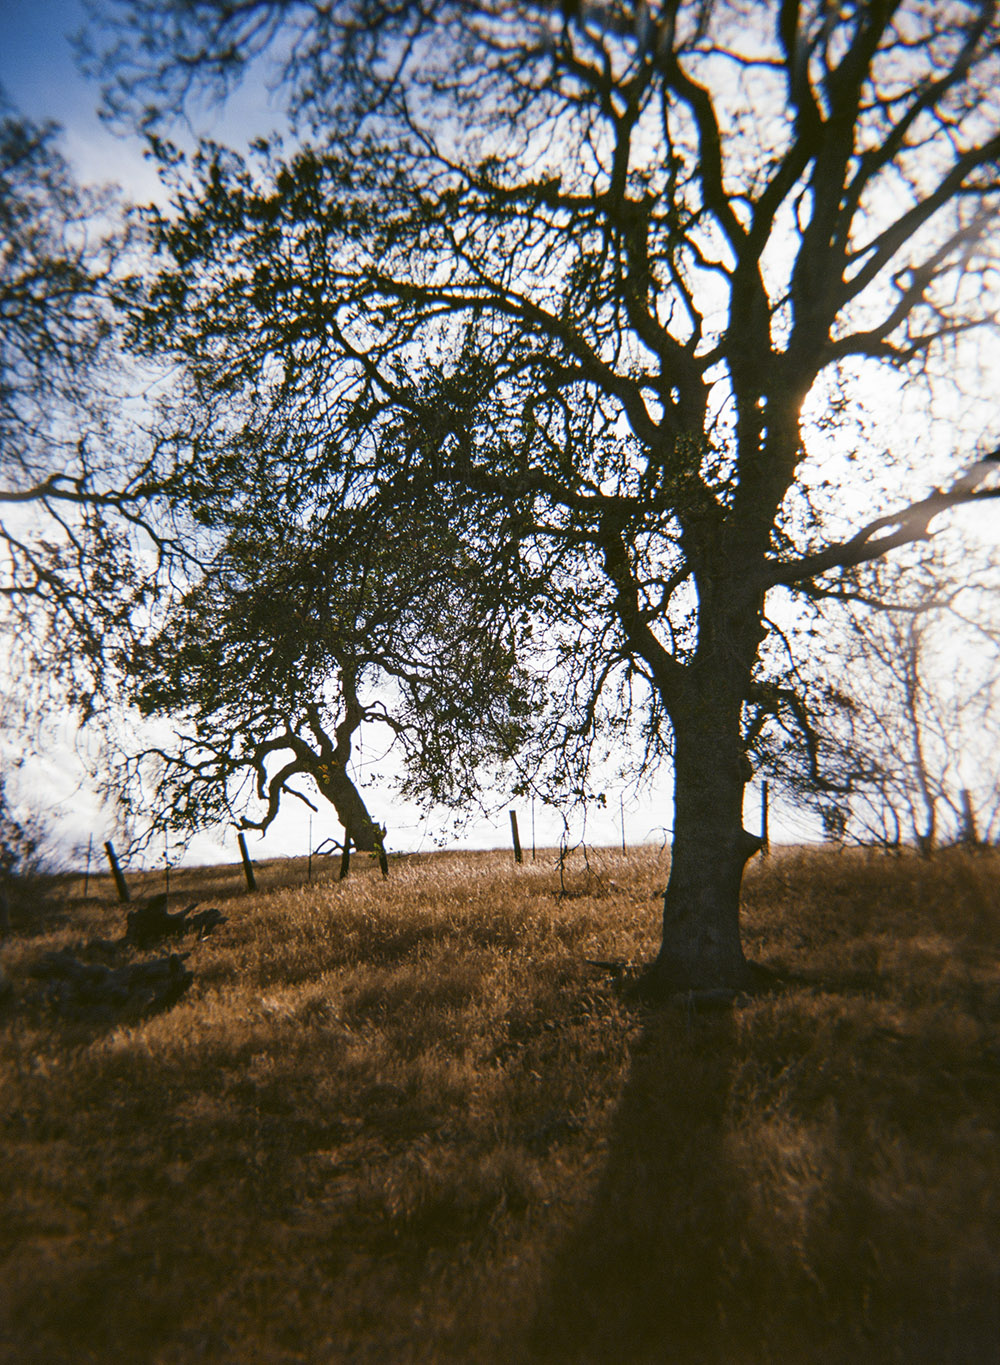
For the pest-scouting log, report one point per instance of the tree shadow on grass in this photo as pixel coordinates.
(639, 1279)
(679, 1257)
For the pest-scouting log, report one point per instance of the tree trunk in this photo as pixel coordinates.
(701, 946)
(343, 795)
(331, 776)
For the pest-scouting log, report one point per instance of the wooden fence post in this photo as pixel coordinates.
(517, 842)
(970, 835)
(247, 864)
(765, 839)
(123, 893)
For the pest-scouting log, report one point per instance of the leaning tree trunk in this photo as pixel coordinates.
(343, 795)
(330, 773)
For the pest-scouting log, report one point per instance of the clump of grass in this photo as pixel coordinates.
(411, 1121)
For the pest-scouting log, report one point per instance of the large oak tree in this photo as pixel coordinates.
(595, 261)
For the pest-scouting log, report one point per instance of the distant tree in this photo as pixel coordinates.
(598, 262)
(27, 854)
(301, 631)
(23, 840)
(919, 727)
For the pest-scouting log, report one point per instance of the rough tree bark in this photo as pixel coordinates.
(336, 787)
(330, 774)
(325, 760)
(701, 946)
(701, 932)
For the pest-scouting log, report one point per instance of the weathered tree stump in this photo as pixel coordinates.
(152, 923)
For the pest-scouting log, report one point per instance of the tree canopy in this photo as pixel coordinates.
(597, 264)
(299, 632)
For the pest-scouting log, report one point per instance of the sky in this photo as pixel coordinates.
(39, 73)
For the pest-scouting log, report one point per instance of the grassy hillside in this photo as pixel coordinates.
(411, 1122)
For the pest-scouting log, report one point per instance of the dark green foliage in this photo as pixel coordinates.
(52, 321)
(305, 627)
(74, 482)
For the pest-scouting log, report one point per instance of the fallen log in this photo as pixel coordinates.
(95, 992)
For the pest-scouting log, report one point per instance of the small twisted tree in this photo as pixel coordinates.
(301, 631)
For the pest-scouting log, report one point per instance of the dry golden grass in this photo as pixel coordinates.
(409, 1122)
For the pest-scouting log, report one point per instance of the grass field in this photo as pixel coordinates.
(411, 1122)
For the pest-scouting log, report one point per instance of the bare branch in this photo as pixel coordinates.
(904, 527)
